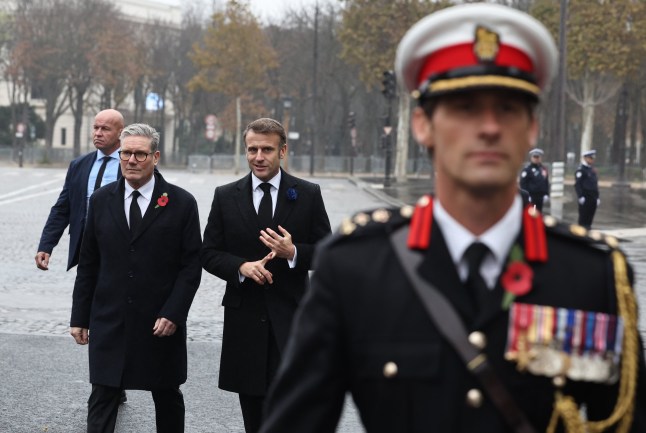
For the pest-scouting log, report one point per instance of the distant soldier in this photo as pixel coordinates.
(587, 189)
(534, 179)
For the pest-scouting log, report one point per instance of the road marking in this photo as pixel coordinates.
(5, 198)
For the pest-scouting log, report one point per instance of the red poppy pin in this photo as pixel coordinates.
(162, 200)
(518, 276)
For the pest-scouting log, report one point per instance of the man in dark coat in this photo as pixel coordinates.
(535, 180)
(586, 185)
(137, 276)
(265, 260)
(83, 175)
(467, 313)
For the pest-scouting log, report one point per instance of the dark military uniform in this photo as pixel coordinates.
(362, 329)
(535, 180)
(586, 185)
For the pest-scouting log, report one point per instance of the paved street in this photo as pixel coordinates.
(44, 373)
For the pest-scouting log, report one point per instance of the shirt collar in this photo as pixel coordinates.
(146, 190)
(499, 238)
(274, 181)
(114, 154)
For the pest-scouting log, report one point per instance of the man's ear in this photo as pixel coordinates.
(422, 128)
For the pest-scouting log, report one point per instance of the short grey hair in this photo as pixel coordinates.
(142, 130)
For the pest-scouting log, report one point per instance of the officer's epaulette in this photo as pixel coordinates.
(580, 234)
(380, 220)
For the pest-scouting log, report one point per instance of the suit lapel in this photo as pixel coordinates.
(244, 201)
(284, 206)
(116, 206)
(153, 211)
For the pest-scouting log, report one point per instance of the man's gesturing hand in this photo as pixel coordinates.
(281, 245)
(256, 270)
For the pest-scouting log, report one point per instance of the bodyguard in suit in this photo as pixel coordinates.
(467, 313)
(261, 243)
(84, 175)
(136, 279)
(586, 185)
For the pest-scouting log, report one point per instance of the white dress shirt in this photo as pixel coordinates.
(143, 201)
(499, 239)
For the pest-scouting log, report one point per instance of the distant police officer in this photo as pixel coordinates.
(467, 313)
(586, 184)
(535, 180)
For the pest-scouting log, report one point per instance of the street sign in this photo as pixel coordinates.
(20, 129)
(212, 129)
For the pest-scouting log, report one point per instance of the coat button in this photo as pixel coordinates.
(474, 398)
(390, 370)
(478, 340)
(131, 274)
(263, 318)
(132, 248)
(129, 300)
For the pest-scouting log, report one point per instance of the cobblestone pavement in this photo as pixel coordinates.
(45, 374)
(46, 378)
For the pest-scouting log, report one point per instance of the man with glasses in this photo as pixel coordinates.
(137, 276)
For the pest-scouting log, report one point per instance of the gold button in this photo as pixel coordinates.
(549, 221)
(423, 201)
(474, 398)
(390, 370)
(478, 340)
(407, 211)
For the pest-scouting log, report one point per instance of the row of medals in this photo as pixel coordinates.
(547, 341)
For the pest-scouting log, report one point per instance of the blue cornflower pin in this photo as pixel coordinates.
(292, 194)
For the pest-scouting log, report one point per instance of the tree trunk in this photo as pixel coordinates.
(588, 119)
(78, 121)
(401, 157)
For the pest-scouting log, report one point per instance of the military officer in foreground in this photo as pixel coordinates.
(535, 180)
(586, 185)
(467, 313)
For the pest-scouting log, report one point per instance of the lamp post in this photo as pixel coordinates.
(287, 105)
(353, 137)
(389, 92)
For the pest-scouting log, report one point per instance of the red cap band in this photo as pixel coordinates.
(462, 56)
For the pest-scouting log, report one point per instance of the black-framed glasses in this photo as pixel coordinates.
(139, 156)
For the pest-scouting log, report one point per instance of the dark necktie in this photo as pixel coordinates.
(99, 177)
(265, 211)
(475, 284)
(135, 212)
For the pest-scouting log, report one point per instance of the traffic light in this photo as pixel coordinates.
(351, 120)
(389, 84)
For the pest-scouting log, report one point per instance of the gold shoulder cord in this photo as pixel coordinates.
(566, 408)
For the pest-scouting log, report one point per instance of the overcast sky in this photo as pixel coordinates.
(272, 10)
(266, 10)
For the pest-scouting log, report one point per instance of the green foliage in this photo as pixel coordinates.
(235, 57)
(602, 36)
(372, 29)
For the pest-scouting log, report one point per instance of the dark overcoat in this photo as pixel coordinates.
(231, 238)
(124, 283)
(362, 314)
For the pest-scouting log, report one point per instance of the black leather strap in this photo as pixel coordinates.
(451, 327)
